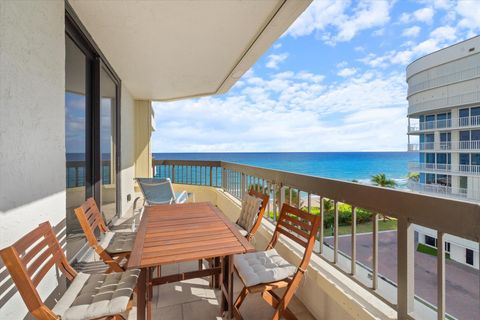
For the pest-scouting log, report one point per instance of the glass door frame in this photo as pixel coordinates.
(77, 32)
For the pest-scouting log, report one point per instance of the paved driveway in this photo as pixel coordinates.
(462, 282)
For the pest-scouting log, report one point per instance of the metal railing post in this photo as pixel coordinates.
(354, 241)
(375, 251)
(173, 173)
(440, 275)
(242, 185)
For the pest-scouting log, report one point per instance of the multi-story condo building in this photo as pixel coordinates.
(444, 121)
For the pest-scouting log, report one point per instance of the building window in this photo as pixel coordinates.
(475, 112)
(444, 180)
(464, 135)
(464, 158)
(442, 158)
(475, 135)
(463, 113)
(430, 158)
(475, 159)
(431, 241)
(469, 256)
(441, 120)
(447, 247)
(463, 182)
(430, 177)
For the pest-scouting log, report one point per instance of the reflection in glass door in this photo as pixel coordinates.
(76, 111)
(108, 105)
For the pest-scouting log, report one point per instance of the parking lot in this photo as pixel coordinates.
(462, 282)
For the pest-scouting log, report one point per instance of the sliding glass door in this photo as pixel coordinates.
(108, 150)
(92, 133)
(77, 141)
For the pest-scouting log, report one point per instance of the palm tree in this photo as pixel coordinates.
(414, 176)
(382, 181)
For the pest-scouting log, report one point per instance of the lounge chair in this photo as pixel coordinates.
(119, 244)
(89, 296)
(264, 271)
(160, 191)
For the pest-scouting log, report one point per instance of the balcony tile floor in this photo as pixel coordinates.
(195, 300)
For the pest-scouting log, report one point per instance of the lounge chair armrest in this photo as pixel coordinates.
(181, 197)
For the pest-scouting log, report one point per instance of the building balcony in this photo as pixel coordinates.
(459, 169)
(443, 190)
(446, 146)
(455, 123)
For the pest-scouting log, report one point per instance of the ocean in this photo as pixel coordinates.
(347, 166)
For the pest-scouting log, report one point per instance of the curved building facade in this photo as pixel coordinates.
(444, 117)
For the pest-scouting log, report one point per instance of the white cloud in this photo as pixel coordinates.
(411, 32)
(322, 15)
(317, 17)
(469, 11)
(446, 33)
(424, 15)
(275, 59)
(368, 15)
(277, 46)
(347, 72)
(288, 112)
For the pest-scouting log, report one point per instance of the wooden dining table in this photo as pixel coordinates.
(178, 233)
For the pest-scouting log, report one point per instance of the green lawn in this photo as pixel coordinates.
(389, 224)
(364, 227)
(429, 250)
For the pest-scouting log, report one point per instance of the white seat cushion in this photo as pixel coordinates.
(91, 296)
(242, 231)
(121, 242)
(262, 267)
(250, 207)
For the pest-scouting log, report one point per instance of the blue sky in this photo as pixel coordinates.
(335, 81)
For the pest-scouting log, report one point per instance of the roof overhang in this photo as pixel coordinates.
(173, 49)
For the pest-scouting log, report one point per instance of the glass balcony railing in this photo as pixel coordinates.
(462, 122)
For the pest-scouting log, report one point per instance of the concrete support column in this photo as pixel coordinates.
(143, 132)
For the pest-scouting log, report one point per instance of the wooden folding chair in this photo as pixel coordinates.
(259, 215)
(120, 245)
(297, 225)
(28, 261)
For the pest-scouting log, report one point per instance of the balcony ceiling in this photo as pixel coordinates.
(166, 50)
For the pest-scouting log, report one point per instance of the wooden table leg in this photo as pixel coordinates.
(141, 290)
(226, 286)
(216, 278)
(230, 286)
(149, 291)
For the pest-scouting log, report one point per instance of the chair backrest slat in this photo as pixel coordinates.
(294, 229)
(291, 236)
(90, 219)
(28, 261)
(299, 226)
(43, 271)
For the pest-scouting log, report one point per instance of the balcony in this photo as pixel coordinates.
(388, 286)
(455, 123)
(459, 169)
(444, 191)
(458, 146)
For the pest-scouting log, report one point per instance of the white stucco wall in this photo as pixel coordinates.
(32, 128)
(128, 149)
